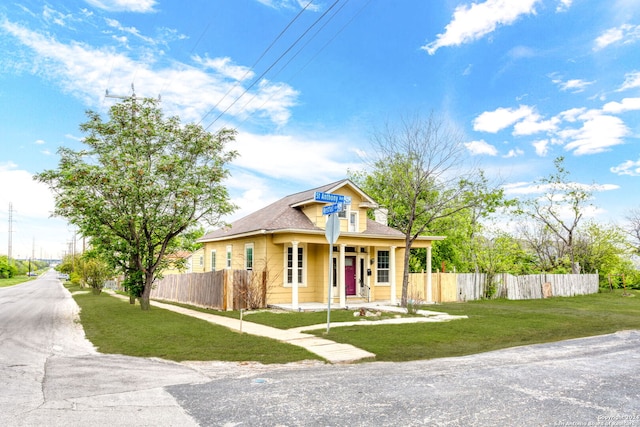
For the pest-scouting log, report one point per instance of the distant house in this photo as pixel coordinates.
(185, 262)
(287, 239)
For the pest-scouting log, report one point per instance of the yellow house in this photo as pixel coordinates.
(288, 240)
(193, 262)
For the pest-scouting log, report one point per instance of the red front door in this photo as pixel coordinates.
(350, 275)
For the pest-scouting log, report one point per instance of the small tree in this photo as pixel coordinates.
(415, 172)
(141, 181)
(560, 209)
(94, 273)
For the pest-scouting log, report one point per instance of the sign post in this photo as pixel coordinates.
(332, 232)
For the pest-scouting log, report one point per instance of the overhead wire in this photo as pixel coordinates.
(295, 55)
(250, 69)
(259, 78)
(314, 56)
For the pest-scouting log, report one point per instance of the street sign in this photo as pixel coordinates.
(319, 196)
(332, 230)
(331, 209)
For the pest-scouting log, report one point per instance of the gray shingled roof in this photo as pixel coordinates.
(282, 215)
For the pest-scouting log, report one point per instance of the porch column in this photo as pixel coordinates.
(429, 286)
(294, 275)
(392, 275)
(341, 286)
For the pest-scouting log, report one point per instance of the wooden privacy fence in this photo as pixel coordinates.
(449, 287)
(220, 290)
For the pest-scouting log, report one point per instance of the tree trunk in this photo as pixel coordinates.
(145, 304)
(405, 275)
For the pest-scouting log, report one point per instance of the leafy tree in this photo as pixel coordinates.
(141, 182)
(415, 173)
(7, 269)
(95, 271)
(633, 228)
(560, 209)
(603, 249)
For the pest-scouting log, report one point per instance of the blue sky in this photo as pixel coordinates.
(306, 84)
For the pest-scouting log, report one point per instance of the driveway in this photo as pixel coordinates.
(51, 375)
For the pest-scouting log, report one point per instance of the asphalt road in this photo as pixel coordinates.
(51, 375)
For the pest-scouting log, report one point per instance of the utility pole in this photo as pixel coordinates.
(9, 254)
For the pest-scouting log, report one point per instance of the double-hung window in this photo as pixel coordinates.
(213, 260)
(228, 263)
(295, 259)
(383, 267)
(248, 256)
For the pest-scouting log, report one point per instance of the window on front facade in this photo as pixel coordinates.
(228, 264)
(290, 264)
(383, 267)
(353, 221)
(248, 256)
(213, 260)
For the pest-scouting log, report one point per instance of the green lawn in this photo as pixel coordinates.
(115, 326)
(15, 281)
(288, 320)
(496, 324)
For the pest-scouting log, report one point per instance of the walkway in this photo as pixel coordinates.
(329, 350)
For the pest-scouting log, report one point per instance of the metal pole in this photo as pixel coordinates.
(330, 286)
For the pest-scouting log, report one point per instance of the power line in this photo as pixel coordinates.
(250, 69)
(315, 55)
(259, 78)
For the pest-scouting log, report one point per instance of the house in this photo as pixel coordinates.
(185, 262)
(287, 239)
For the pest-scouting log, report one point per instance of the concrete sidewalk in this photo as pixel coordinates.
(329, 350)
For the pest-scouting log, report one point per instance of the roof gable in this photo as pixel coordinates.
(286, 214)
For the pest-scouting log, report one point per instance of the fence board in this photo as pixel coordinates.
(470, 286)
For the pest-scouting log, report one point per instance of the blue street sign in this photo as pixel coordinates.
(319, 196)
(331, 209)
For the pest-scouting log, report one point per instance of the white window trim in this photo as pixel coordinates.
(378, 283)
(302, 246)
(213, 259)
(228, 257)
(355, 213)
(248, 246)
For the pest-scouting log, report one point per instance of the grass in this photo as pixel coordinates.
(288, 320)
(115, 326)
(14, 281)
(496, 324)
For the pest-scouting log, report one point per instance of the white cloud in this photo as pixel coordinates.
(285, 157)
(225, 67)
(139, 6)
(572, 114)
(631, 81)
(32, 203)
(627, 104)
(290, 4)
(495, 121)
(40, 142)
(541, 147)
(471, 22)
(187, 91)
(626, 33)
(129, 30)
(481, 147)
(564, 5)
(599, 132)
(51, 15)
(513, 153)
(573, 86)
(533, 124)
(628, 167)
